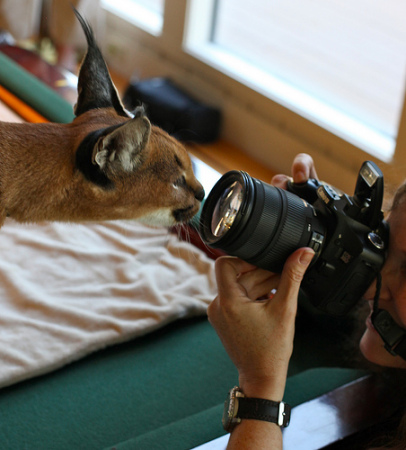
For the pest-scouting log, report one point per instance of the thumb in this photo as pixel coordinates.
(292, 275)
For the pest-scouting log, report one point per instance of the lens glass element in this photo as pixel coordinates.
(226, 209)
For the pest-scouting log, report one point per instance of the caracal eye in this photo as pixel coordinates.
(180, 182)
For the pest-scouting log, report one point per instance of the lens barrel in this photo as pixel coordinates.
(259, 223)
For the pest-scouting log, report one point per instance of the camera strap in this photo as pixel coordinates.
(393, 335)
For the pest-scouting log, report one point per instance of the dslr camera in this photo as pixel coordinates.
(263, 225)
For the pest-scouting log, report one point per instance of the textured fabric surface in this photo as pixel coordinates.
(68, 290)
(205, 426)
(122, 392)
(162, 391)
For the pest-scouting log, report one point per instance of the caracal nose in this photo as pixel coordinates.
(199, 195)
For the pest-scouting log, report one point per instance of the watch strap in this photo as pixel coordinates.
(261, 409)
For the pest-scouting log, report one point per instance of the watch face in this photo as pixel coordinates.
(230, 410)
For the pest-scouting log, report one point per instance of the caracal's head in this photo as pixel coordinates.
(134, 169)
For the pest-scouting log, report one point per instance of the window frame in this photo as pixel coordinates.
(269, 131)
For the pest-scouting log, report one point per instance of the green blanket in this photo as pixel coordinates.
(165, 390)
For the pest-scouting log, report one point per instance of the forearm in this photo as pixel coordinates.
(263, 345)
(256, 434)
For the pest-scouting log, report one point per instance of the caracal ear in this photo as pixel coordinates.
(95, 87)
(122, 150)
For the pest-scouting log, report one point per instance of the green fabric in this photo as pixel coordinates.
(161, 386)
(184, 434)
(33, 92)
(200, 428)
(119, 393)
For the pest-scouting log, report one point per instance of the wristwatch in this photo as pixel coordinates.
(238, 407)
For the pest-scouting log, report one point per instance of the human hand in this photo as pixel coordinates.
(258, 335)
(302, 169)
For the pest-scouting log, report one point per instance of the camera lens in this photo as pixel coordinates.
(226, 209)
(257, 222)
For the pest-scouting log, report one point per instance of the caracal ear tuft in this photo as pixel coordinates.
(124, 148)
(95, 87)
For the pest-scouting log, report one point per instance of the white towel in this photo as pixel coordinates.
(67, 290)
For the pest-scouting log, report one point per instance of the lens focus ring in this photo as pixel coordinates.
(293, 232)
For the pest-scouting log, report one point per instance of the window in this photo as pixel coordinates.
(147, 14)
(340, 64)
(341, 103)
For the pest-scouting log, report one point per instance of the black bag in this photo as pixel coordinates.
(170, 108)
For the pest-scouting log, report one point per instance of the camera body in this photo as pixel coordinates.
(264, 225)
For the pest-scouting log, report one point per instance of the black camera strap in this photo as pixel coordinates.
(393, 335)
